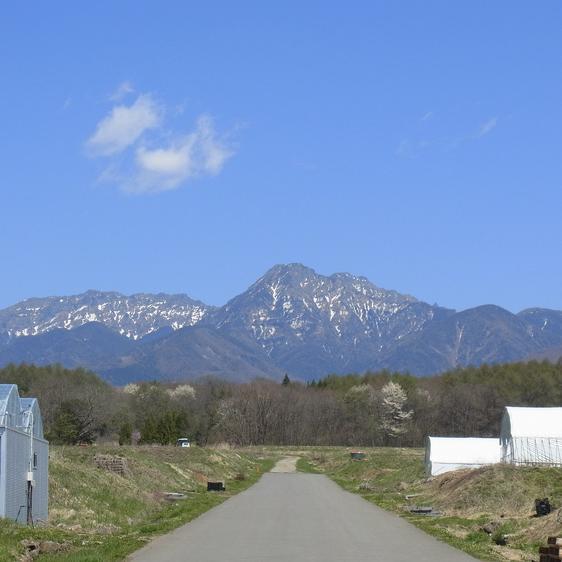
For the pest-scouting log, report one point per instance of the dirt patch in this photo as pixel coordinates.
(200, 478)
(452, 481)
(286, 465)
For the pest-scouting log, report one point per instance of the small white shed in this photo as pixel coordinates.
(24, 458)
(443, 454)
(532, 436)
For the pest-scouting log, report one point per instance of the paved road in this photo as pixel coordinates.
(297, 518)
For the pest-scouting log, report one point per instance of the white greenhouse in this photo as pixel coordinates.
(532, 436)
(443, 454)
(24, 458)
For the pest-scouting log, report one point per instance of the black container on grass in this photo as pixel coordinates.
(215, 486)
(358, 456)
(542, 507)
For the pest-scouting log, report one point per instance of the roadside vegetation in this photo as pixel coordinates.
(480, 509)
(99, 515)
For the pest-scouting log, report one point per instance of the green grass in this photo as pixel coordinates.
(304, 465)
(101, 516)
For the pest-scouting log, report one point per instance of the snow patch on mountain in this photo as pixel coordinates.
(133, 316)
(294, 303)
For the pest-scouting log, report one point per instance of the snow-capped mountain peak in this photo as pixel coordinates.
(133, 316)
(294, 302)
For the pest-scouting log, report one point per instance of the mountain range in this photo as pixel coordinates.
(292, 320)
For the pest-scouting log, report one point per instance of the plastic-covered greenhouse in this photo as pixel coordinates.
(24, 458)
(532, 436)
(443, 454)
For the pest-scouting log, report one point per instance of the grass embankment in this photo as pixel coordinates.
(468, 499)
(101, 516)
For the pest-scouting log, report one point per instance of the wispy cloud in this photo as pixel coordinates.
(123, 90)
(404, 148)
(412, 147)
(487, 127)
(123, 126)
(146, 157)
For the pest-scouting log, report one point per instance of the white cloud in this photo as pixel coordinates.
(487, 127)
(124, 89)
(172, 161)
(201, 152)
(212, 149)
(144, 156)
(427, 116)
(124, 126)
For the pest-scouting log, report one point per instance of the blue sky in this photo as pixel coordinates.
(189, 146)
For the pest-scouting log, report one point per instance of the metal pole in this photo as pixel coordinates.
(30, 472)
(29, 503)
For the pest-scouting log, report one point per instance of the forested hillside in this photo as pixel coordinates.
(381, 408)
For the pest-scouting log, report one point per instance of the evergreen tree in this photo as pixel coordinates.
(149, 430)
(126, 433)
(286, 380)
(72, 424)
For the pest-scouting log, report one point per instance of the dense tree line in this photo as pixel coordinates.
(381, 408)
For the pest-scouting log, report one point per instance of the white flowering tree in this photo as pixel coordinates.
(394, 415)
(182, 391)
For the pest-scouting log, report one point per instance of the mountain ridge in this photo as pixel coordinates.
(133, 315)
(291, 320)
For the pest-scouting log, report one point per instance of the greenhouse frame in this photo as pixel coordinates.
(532, 436)
(24, 458)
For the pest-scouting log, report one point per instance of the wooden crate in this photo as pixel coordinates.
(552, 552)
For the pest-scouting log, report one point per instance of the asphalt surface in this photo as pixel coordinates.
(295, 517)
